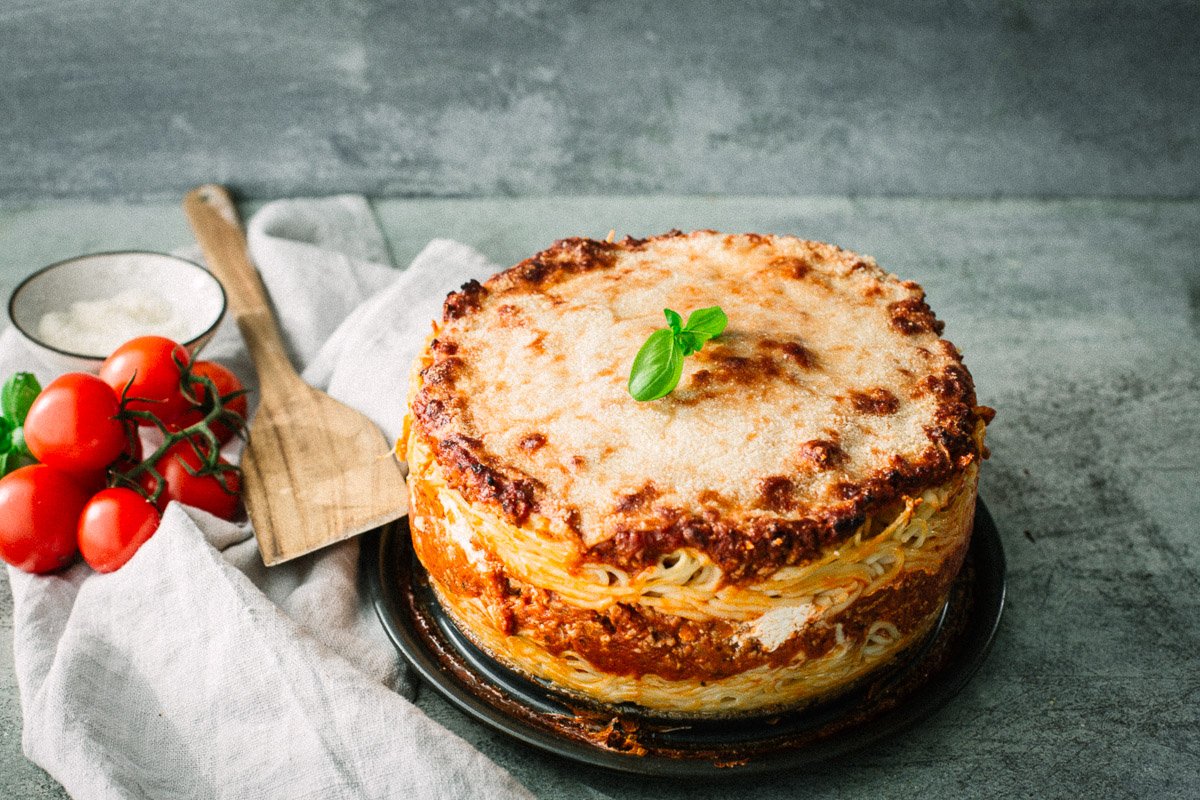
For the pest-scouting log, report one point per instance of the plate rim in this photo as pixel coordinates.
(929, 696)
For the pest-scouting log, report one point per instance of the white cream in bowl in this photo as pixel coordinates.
(74, 313)
(107, 323)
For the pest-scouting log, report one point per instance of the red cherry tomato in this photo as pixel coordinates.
(73, 424)
(39, 510)
(201, 491)
(151, 367)
(113, 525)
(227, 383)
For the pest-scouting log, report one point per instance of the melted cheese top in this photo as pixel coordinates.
(813, 384)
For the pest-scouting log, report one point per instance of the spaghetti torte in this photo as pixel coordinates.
(787, 520)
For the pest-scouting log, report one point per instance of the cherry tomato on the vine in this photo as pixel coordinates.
(152, 368)
(39, 512)
(201, 491)
(73, 424)
(227, 383)
(113, 525)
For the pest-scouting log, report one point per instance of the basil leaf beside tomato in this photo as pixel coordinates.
(16, 397)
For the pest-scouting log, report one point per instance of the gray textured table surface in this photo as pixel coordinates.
(1080, 321)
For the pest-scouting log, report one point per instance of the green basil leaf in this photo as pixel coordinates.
(709, 322)
(16, 460)
(17, 444)
(657, 367)
(690, 342)
(18, 395)
(6, 432)
(15, 456)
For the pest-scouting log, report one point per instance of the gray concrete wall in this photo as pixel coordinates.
(143, 98)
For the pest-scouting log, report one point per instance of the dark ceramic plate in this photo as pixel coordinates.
(626, 741)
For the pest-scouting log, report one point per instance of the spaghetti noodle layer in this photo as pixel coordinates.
(675, 637)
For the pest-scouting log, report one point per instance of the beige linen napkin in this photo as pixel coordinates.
(194, 671)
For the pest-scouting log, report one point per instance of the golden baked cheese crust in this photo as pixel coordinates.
(829, 396)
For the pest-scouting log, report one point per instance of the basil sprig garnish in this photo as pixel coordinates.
(15, 399)
(659, 364)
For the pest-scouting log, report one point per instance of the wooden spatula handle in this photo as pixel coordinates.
(214, 219)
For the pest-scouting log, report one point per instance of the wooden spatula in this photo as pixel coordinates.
(314, 471)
